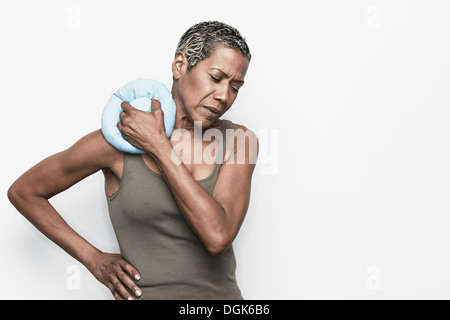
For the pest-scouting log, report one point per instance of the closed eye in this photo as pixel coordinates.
(218, 80)
(215, 79)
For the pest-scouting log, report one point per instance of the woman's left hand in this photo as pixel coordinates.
(144, 130)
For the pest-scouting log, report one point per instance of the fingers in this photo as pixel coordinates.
(119, 291)
(121, 284)
(125, 277)
(131, 270)
(120, 127)
(156, 104)
(156, 109)
(123, 288)
(130, 285)
(114, 291)
(126, 106)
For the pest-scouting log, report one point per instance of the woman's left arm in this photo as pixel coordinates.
(216, 219)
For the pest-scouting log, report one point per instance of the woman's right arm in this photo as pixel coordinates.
(30, 194)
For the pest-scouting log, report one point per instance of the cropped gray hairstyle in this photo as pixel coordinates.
(200, 41)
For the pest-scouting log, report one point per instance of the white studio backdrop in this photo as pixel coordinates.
(349, 100)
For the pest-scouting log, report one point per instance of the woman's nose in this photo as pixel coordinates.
(222, 93)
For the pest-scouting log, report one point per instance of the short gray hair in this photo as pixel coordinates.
(200, 41)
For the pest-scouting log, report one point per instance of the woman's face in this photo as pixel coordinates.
(210, 88)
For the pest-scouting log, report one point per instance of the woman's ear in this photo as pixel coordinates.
(179, 65)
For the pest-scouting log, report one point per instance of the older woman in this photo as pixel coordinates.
(175, 217)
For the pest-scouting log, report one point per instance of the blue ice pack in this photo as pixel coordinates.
(139, 93)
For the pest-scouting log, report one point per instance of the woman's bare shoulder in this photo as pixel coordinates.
(94, 146)
(241, 131)
(96, 140)
(236, 126)
(243, 139)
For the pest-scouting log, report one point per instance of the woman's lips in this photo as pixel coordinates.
(210, 112)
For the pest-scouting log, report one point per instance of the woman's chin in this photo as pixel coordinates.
(205, 121)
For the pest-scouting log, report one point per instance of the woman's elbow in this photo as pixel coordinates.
(13, 194)
(18, 195)
(220, 243)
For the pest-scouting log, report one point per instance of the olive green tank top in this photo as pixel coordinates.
(154, 237)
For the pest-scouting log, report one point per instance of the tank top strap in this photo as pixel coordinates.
(225, 137)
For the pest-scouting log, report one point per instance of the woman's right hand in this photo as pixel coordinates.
(116, 273)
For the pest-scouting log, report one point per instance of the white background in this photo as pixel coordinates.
(350, 99)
